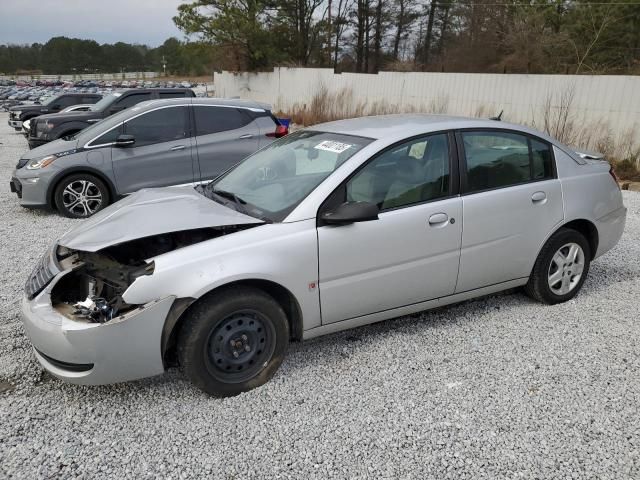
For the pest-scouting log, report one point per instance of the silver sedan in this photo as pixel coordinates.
(329, 228)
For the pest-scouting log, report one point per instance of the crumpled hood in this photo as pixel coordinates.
(151, 212)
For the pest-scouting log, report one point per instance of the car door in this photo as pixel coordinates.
(512, 201)
(408, 255)
(161, 154)
(223, 136)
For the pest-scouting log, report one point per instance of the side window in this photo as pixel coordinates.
(132, 99)
(413, 172)
(171, 95)
(65, 102)
(88, 100)
(541, 160)
(218, 119)
(107, 137)
(163, 125)
(500, 159)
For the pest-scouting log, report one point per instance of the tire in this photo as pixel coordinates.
(91, 195)
(233, 341)
(558, 279)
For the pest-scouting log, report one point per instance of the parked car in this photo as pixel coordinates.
(52, 127)
(81, 107)
(329, 228)
(156, 143)
(20, 113)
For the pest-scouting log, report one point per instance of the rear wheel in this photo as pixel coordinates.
(561, 268)
(81, 195)
(233, 341)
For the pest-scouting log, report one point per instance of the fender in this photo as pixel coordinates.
(60, 130)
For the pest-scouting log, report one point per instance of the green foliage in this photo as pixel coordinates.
(62, 55)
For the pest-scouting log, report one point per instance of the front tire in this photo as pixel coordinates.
(233, 341)
(561, 268)
(81, 195)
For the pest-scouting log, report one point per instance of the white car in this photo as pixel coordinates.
(333, 227)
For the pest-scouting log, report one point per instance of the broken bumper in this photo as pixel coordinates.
(125, 348)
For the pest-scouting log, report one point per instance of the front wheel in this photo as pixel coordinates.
(81, 195)
(561, 268)
(233, 341)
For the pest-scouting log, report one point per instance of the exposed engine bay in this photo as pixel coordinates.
(92, 291)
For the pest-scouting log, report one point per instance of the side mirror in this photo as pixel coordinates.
(351, 212)
(125, 140)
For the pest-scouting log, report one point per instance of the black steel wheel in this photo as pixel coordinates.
(232, 340)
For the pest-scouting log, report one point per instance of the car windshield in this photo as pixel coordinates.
(273, 181)
(105, 102)
(50, 100)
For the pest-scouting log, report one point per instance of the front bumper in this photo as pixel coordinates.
(15, 124)
(125, 348)
(15, 186)
(31, 190)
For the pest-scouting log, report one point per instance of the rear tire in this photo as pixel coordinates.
(233, 341)
(561, 268)
(81, 195)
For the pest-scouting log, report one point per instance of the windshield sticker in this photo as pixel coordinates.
(331, 146)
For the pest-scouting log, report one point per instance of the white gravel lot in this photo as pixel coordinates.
(500, 387)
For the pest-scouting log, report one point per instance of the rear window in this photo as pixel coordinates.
(214, 119)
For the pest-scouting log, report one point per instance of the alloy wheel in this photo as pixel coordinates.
(566, 268)
(82, 198)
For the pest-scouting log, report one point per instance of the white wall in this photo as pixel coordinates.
(603, 102)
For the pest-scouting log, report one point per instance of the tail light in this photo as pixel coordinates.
(281, 131)
(614, 176)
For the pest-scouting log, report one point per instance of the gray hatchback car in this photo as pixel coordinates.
(341, 225)
(153, 144)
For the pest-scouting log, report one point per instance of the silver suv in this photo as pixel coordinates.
(156, 143)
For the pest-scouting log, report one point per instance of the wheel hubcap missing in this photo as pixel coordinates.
(239, 347)
(565, 271)
(82, 198)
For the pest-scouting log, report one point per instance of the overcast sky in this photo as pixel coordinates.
(106, 21)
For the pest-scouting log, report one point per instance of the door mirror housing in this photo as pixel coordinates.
(351, 212)
(125, 140)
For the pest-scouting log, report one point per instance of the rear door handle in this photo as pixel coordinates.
(246, 135)
(539, 197)
(178, 147)
(438, 219)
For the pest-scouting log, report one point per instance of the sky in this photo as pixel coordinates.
(106, 21)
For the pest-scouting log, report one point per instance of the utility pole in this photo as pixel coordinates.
(164, 66)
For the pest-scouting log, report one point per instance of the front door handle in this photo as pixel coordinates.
(178, 147)
(246, 135)
(438, 219)
(539, 197)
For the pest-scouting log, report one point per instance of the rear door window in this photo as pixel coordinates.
(157, 126)
(498, 159)
(171, 95)
(214, 119)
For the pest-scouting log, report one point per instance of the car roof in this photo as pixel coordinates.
(405, 125)
(226, 102)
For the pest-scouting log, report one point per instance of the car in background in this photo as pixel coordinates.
(61, 125)
(81, 107)
(332, 227)
(21, 113)
(152, 144)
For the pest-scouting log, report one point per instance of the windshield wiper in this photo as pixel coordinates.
(240, 203)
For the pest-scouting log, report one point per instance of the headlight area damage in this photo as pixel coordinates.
(93, 290)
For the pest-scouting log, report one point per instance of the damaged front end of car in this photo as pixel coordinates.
(93, 288)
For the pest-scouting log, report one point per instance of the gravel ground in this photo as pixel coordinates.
(500, 387)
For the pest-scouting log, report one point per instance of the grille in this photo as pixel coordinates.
(40, 277)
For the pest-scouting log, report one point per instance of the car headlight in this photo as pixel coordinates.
(26, 124)
(40, 162)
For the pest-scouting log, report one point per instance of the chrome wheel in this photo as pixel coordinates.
(565, 271)
(82, 198)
